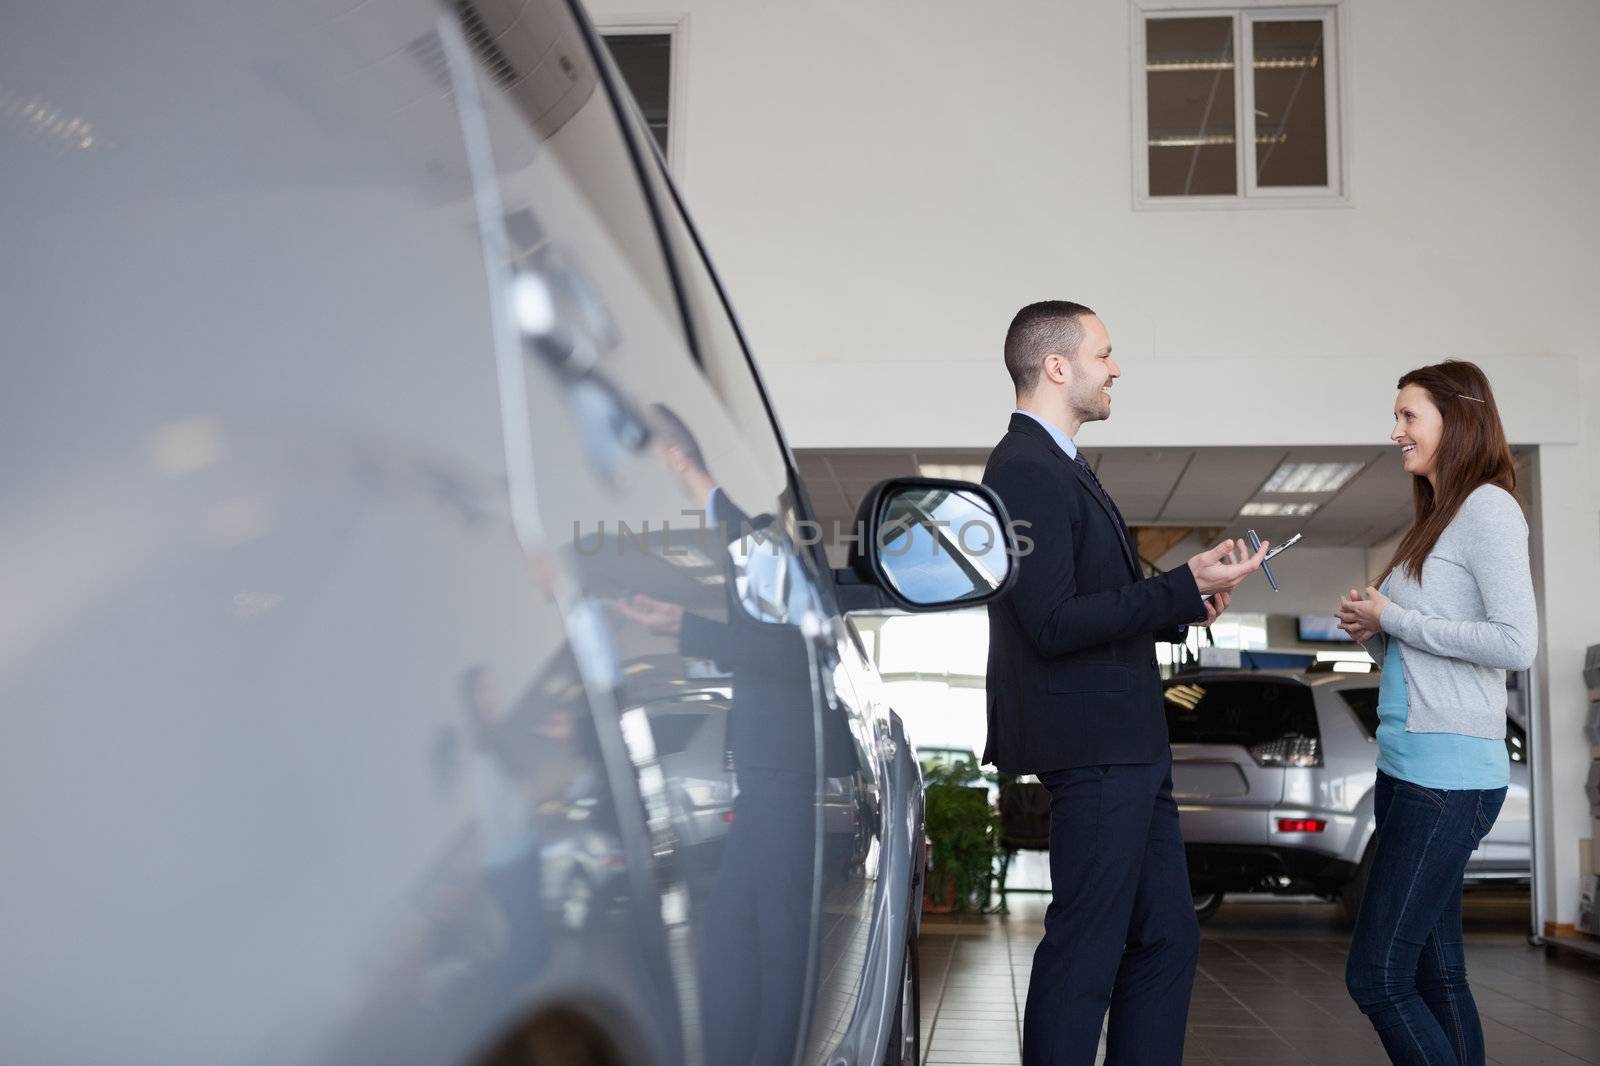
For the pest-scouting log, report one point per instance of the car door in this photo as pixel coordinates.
(859, 935)
(848, 983)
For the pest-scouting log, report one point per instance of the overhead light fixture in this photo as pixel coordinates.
(952, 471)
(1311, 478)
(1261, 509)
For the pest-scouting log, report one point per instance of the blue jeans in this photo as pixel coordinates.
(1407, 969)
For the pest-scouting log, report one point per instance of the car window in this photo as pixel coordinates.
(1246, 713)
(539, 69)
(1363, 703)
(610, 375)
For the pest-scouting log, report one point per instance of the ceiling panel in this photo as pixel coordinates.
(860, 465)
(1141, 479)
(1272, 530)
(1217, 484)
(1362, 512)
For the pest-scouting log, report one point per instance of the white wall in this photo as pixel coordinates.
(1311, 579)
(883, 183)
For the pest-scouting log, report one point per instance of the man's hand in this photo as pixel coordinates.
(1216, 605)
(1215, 570)
(655, 615)
(1361, 614)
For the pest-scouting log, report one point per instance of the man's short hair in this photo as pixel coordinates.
(1037, 330)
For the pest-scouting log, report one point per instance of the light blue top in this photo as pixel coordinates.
(1432, 760)
(1057, 434)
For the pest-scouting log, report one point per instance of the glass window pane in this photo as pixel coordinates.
(1245, 713)
(1364, 704)
(645, 60)
(1291, 104)
(1189, 75)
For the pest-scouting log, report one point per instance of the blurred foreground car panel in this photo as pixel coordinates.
(379, 684)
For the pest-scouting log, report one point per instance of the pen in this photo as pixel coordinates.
(1255, 546)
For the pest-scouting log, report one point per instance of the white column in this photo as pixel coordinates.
(1569, 549)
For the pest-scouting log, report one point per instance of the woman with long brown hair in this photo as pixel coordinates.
(1453, 611)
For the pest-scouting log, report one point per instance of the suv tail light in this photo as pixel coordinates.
(1301, 825)
(1292, 750)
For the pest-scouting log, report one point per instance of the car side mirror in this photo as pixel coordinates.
(928, 544)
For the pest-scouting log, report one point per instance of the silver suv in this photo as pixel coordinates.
(1273, 771)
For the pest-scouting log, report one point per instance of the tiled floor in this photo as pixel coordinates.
(1270, 988)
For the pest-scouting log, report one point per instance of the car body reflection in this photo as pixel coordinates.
(414, 656)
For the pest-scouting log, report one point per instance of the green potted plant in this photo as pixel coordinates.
(964, 831)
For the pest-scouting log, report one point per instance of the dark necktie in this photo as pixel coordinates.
(1105, 497)
(1087, 469)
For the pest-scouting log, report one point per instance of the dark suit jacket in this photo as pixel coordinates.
(1073, 679)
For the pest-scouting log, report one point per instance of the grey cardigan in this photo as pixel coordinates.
(1470, 619)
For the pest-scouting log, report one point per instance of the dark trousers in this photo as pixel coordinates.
(1120, 931)
(754, 940)
(1407, 969)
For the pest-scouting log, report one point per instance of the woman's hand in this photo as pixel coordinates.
(1361, 615)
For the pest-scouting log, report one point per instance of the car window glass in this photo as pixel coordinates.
(1201, 711)
(614, 374)
(1363, 703)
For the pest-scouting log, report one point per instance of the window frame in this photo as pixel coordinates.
(676, 28)
(1335, 18)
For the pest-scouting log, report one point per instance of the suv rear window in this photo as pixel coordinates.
(1363, 704)
(1246, 713)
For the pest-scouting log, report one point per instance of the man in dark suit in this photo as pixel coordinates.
(1074, 696)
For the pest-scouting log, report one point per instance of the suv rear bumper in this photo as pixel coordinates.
(1265, 868)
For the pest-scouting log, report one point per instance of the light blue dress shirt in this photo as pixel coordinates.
(1057, 434)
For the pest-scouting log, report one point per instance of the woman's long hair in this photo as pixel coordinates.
(1472, 452)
